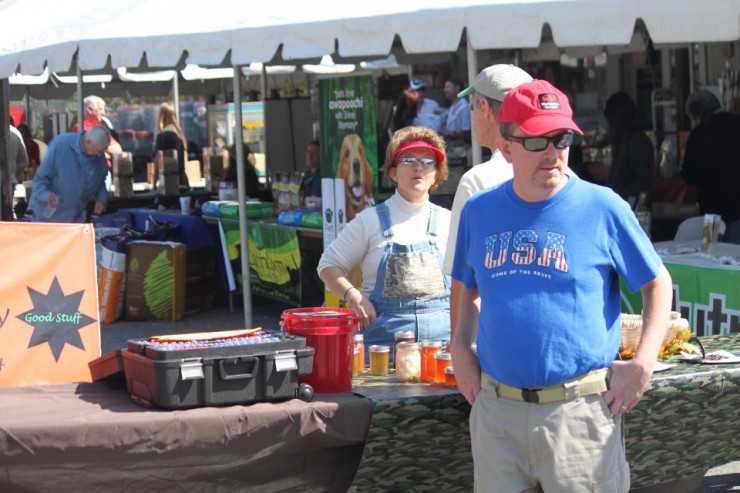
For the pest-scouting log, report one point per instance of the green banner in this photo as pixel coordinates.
(349, 141)
(274, 260)
(708, 298)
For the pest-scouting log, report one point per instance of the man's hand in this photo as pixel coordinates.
(628, 382)
(467, 370)
(53, 200)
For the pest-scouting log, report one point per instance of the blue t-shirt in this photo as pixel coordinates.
(548, 276)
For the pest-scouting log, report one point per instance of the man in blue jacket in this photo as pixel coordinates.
(73, 172)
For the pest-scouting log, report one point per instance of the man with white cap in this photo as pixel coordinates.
(548, 396)
(485, 96)
(429, 114)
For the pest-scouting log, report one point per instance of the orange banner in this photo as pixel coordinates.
(49, 327)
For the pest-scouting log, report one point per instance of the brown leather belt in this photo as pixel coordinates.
(591, 383)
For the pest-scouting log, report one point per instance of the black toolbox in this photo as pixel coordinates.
(232, 370)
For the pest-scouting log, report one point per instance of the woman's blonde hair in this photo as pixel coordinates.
(167, 116)
(424, 134)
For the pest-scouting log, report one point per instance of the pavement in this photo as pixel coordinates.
(266, 314)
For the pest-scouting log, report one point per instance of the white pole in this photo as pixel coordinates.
(472, 72)
(242, 197)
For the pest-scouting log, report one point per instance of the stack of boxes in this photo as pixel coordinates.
(123, 175)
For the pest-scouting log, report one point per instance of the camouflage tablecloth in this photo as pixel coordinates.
(419, 439)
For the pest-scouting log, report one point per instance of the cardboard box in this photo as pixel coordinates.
(167, 173)
(152, 175)
(155, 280)
(123, 175)
(214, 160)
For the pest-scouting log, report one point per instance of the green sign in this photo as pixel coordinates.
(274, 260)
(708, 298)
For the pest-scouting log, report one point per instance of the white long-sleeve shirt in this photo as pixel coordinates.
(361, 241)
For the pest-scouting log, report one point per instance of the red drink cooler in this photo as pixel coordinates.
(330, 332)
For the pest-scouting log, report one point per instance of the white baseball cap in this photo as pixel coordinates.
(496, 81)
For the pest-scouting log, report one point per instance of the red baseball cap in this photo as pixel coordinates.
(537, 108)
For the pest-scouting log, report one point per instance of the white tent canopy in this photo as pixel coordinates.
(155, 33)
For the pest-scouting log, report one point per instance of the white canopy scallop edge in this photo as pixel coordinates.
(44, 33)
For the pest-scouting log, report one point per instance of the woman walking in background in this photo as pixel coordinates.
(171, 137)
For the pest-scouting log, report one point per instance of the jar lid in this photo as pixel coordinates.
(379, 349)
(403, 334)
(443, 356)
(429, 343)
(359, 337)
(408, 345)
(450, 370)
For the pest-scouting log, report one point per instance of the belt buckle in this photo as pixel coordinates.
(531, 395)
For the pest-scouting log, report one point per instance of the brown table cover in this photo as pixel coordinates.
(91, 437)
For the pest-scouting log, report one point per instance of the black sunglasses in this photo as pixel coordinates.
(537, 144)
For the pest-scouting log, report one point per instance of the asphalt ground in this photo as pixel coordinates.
(266, 314)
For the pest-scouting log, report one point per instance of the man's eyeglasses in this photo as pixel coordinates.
(537, 144)
(470, 106)
(413, 161)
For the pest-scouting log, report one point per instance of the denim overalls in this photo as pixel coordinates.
(411, 292)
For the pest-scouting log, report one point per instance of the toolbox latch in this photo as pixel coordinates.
(191, 369)
(285, 360)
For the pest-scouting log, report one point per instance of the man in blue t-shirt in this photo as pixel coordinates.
(547, 395)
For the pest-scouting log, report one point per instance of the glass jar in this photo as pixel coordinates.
(441, 361)
(355, 372)
(401, 336)
(358, 363)
(428, 350)
(379, 356)
(408, 364)
(450, 376)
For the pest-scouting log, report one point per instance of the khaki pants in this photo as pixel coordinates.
(563, 447)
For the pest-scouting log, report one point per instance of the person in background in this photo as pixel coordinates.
(548, 395)
(94, 113)
(251, 181)
(32, 148)
(12, 174)
(633, 157)
(72, 173)
(457, 123)
(404, 111)
(711, 161)
(172, 138)
(428, 114)
(400, 246)
(311, 183)
(485, 94)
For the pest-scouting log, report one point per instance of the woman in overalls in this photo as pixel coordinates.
(399, 246)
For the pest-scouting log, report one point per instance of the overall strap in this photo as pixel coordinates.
(385, 219)
(433, 220)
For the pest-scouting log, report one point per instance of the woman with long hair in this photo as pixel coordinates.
(171, 137)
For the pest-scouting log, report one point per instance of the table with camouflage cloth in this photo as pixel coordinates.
(686, 423)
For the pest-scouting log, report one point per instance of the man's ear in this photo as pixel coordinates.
(505, 147)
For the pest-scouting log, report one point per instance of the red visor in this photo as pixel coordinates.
(416, 144)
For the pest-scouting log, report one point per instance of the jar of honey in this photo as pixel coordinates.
(354, 363)
(408, 364)
(428, 350)
(379, 356)
(441, 361)
(358, 363)
(401, 336)
(450, 376)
